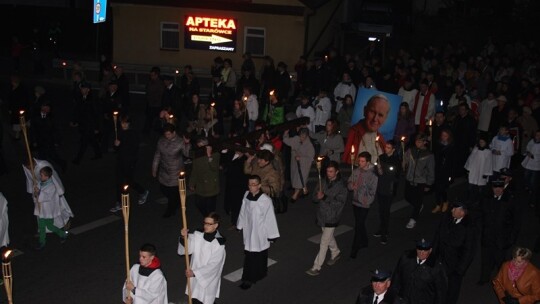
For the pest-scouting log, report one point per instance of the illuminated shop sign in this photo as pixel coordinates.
(212, 34)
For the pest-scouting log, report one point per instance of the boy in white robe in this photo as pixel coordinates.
(480, 168)
(257, 221)
(502, 148)
(63, 218)
(4, 221)
(207, 250)
(47, 206)
(147, 284)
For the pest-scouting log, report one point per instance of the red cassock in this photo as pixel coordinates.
(356, 132)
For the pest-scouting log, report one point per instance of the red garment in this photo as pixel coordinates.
(356, 132)
(423, 112)
(156, 263)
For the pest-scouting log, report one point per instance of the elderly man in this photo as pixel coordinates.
(379, 291)
(363, 135)
(418, 277)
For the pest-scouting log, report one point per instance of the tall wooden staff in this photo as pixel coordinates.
(115, 119)
(319, 166)
(125, 213)
(7, 274)
(212, 105)
(353, 157)
(245, 110)
(22, 122)
(182, 190)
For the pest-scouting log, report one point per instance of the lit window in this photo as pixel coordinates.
(170, 36)
(255, 40)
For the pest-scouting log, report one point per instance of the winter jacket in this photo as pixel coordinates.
(331, 205)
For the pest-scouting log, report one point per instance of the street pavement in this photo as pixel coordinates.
(90, 266)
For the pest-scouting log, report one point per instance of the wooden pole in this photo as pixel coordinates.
(319, 166)
(125, 213)
(22, 122)
(353, 158)
(182, 190)
(212, 118)
(7, 275)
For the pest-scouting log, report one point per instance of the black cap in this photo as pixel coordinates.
(497, 183)
(379, 275)
(423, 244)
(459, 204)
(505, 172)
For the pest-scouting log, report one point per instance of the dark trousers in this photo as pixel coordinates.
(474, 192)
(414, 194)
(125, 170)
(205, 204)
(173, 197)
(255, 266)
(492, 257)
(88, 138)
(441, 188)
(152, 118)
(385, 201)
(360, 234)
(454, 288)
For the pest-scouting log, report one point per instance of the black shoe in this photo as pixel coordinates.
(245, 285)
(384, 239)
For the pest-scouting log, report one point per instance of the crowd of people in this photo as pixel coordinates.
(464, 114)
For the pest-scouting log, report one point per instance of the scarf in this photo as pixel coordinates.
(147, 271)
(209, 237)
(45, 183)
(515, 271)
(502, 137)
(423, 113)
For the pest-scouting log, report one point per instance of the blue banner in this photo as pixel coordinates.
(100, 11)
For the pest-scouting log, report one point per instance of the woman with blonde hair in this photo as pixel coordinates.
(518, 280)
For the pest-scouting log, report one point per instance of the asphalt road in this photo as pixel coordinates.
(90, 267)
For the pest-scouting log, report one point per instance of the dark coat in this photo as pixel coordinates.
(172, 98)
(454, 244)
(444, 163)
(331, 205)
(500, 221)
(391, 170)
(419, 284)
(282, 84)
(366, 296)
(86, 114)
(128, 150)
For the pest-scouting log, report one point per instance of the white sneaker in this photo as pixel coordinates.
(411, 224)
(144, 197)
(116, 207)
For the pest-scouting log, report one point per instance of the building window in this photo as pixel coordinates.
(170, 36)
(254, 41)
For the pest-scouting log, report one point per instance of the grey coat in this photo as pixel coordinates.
(331, 146)
(306, 152)
(363, 183)
(331, 205)
(420, 166)
(169, 160)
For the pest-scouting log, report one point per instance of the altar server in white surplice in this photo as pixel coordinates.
(4, 223)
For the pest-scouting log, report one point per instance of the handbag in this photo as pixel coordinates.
(508, 299)
(278, 200)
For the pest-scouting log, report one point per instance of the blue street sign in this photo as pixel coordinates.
(100, 11)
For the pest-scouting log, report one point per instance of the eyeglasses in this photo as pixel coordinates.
(209, 224)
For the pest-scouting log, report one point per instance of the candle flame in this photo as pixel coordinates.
(171, 116)
(176, 71)
(21, 112)
(245, 98)
(7, 254)
(115, 113)
(212, 104)
(402, 138)
(377, 138)
(64, 63)
(352, 149)
(319, 158)
(441, 103)
(272, 93)
(391, 168)
(126, 187)
(430, 122)
(182, 173)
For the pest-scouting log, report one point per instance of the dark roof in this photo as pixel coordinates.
(314, 4)
(229, 5)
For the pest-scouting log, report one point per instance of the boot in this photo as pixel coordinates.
(437, 209)
(444, 207)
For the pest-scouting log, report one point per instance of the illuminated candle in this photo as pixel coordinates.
(403, 146)
(125, 213)
(319, 166)
(182, 191)
(115, 120)
(7, 274)
(212, 105)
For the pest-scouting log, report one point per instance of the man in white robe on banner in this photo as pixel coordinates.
(207, 250)
(64, 219)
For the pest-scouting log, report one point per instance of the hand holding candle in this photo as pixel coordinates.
(377, 149)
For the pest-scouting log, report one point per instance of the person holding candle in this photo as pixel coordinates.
(258, 223)
(204, 179)
(47, 206)
(207, 249)
(86, 120)
(302, 156)
(363, 183)
(423, 106)
(330, 142)
(331, 200)
(388, 170)
(252, 108)
(464, 128)
(405, 124)
(364, 133)
(444, 169)
(480, 167)
(345, 116)
(274, 112)
(127, 150)
(502, 148)
(147, 284)
(305, 109)
(419, 166)
(323, 109)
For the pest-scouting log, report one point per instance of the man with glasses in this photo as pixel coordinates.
(207, 249)
(419, 277)
(379, 291)
(259, 226)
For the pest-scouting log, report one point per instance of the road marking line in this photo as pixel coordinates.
(236, 275)
(339, 230)
(95, 224)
